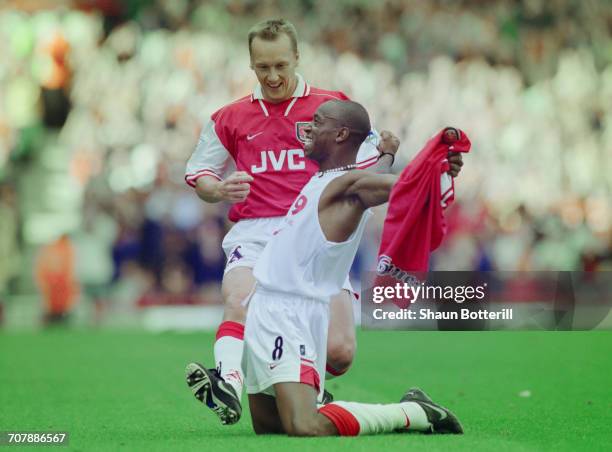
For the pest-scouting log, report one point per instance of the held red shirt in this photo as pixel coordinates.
(266, 141)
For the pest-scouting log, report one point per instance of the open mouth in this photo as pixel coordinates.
(308, 146)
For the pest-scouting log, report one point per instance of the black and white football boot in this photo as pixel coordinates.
(440, 418)
(210, 389)
(327, 397)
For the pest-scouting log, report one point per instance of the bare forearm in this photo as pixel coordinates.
(235, 188)
(383, 165)
(207, 189)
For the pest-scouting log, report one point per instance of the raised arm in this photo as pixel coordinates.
(371, 189)
(344, 200)
(387, 148)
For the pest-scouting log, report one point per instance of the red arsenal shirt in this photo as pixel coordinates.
(266, 141)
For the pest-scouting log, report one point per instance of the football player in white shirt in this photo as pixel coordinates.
(301, 268)
(262, 135)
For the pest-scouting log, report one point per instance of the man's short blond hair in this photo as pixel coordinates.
(271, 29)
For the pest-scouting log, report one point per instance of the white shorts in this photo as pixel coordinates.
(285, 340)
(246, 240)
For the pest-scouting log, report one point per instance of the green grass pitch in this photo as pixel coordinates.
(125, 391)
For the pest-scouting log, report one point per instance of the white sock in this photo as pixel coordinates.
(228, 350)
(352, 418)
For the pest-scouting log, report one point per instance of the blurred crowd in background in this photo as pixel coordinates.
(102, 101)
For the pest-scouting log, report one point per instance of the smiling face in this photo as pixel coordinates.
(337, 130)
(274, 63)
(321, 133)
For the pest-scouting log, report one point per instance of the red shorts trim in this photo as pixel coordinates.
(309, 376)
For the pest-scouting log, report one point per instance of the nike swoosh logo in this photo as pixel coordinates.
(250, 137)
(442, 413)
(407, 420)
(272, 366)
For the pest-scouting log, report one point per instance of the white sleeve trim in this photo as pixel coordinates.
(447, 190)
(191, 179)
(210, 157)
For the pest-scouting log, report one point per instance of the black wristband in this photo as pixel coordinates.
(388, 153)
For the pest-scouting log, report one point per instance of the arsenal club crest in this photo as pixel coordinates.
(299, 130)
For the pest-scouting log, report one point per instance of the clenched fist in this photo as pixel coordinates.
(389, 143)
(236, 187)
(455, 160)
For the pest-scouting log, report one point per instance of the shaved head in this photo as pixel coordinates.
(352, 115)
(336, 132)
